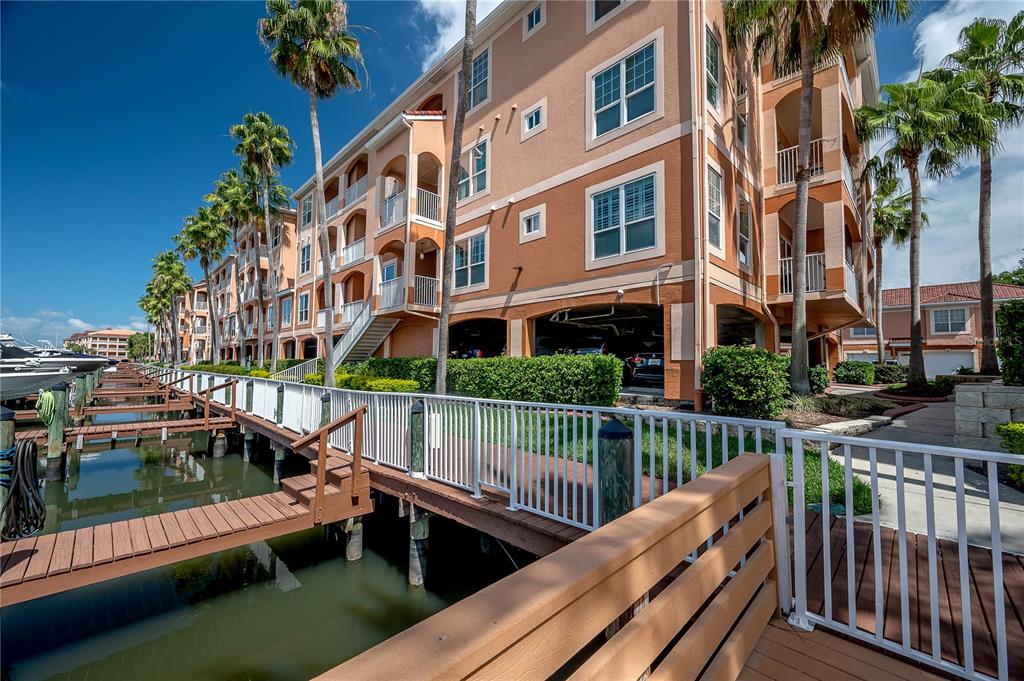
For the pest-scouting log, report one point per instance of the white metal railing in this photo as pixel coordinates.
(297, 372)
(848, 181)
(201, 305)
(321, 318)
(850, 281)
(248, 330)
(786, 163)
(320, 264)
(392, 293)
(199, 330)
(393, 210)
(815, 273)
(425, 291)
(356, 191)
(349, 311)
(360, 322)
(943, 511)
(428, 205)
(353, 252)
(333, 207)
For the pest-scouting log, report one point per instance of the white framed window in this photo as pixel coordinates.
(744, 252)
(303, 307)
(473, 171)
(286, 311)
(785, 248)
(535, 120)
(601, 11)
(625, 218)
(304, 258)
(389, 270)
(863, 332)
(479, 81)
(715, 209)
(532, 223)
(471, 261)
(742, 111)
(534, 20)
(625, 91)
(712, 67)
(275, 239)
(953, 320)
(307, 211)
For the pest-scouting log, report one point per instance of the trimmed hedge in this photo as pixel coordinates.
(313, 379)
(1010, 318)
(259, 373)
(891, 373)
(818, 377)
(232, 369)
(856, 373)
(745, 382)
(1013, 442)
(392, 385)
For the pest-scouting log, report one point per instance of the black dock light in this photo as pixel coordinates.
(416, 443)
(325, 408)
(279, 412)
(250, 386)
(615, 460)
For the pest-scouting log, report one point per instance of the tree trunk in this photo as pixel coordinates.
(448, 273)
(879, 334)
(239, 316)
(261, 352)
(989, 362)
(917, 375)
(798, 380)
(176, 332)
(214, 346)
(325, 247)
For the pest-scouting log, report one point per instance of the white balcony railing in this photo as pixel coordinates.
(848, 179)
(353, 252)
(852, 283)
(333, 207)
(321, 318)
(815, 273)
(428, 205)
(320, 264)
(248, 330)
(349, 311)
(356, 191)
(845, 77)
(425, 291)
(393, 210)
(201, 305)
(392, 293)
(785, 163)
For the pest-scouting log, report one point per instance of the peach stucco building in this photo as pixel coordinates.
(627, 187)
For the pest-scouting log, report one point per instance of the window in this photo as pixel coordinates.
(712, 59)
(531, 224)
(270, 315)
(949, 321)
(304, 307)
(276, 238)
(479, 80)
(471, 261)
(742, 117)
(473, 171)
(533, 119)
(632, 80)
(304, 258)
(714, 208)
(307, 211)
(743, 234)
(534, 20)
(286, 311)
(389, 271)
(623, 218)
(785, 248)
(603, 7)
(863, 331)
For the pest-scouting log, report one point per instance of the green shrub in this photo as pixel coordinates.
(313, 379)
(891, 373)
(231, 369)
(856, 373)
(1010, 319)
(392, 385)
(259, 373)
(423, 370)
(818, 376)
(745, 382)
(1013, 442)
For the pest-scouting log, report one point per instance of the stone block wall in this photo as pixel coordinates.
(980, 407)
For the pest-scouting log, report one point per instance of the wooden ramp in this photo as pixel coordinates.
(173, 405)
(133, 429)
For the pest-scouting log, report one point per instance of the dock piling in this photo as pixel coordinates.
(279, 453)
(354, 545)
(220, 445)
(55, 432)
(6, 443)
(248, 443)
(419, 531)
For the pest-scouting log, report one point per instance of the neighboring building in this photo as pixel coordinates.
(628, 186)
(950, 326)
(111, 343)
(198, 349)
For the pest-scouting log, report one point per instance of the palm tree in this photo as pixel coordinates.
(919, 119)
(454, 169)
(804, 34)
(171, 281)
(235, 200)
(309, 42)
(205, 236)
(263, 146)
(153, 307)
(990, 61)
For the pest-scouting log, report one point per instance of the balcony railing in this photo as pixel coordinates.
(848, 179)
(428, 205)
(356, 191)
(199, 330)
(320, 264)
(248, 330)
(333, 207)
(201, 305)
(392, 293)
(815, 273)
(845, 77)
(321, 318)
(425, 291)
(851, 281)
(786, 163)
(353, 252)
(349, 311)
(393, 210)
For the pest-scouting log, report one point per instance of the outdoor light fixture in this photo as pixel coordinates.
(416, 437)
(615, 457)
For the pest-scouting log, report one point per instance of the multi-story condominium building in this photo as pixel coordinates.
(627, 186)
(110, 343)
(199, 304)
(950, 326)
(223, 307)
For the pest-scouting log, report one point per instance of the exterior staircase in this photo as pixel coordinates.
(363, 337)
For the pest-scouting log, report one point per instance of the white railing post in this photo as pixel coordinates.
(780, 508)
(513, 455)
(476, 449)
(798, 616)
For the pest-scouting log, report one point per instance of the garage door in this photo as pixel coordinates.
(942, 362)
(861, 357)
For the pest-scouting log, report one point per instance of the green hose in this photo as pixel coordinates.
(45, 407)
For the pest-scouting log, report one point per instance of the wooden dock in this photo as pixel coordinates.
(177, 404)
(132, 429)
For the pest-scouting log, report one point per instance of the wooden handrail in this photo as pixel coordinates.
(206, 401)
(322, 435)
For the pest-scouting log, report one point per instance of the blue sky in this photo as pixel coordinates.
(115, 125)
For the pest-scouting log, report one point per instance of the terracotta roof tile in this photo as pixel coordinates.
(964, 292)
(423, 112)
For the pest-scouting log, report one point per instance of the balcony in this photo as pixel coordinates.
(392, 210)
(851, 282)
(321, 319)
(848, 181)
(815, 273)
(428, 205)
(199, 330)
(334, 207)
(786, 163)
(349, 312)
(356, 191)
(353, 252)
(201, 305)
(425, 291)
(249, 330)
(320, 264)
(392, 293)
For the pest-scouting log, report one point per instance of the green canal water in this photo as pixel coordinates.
(286, 608)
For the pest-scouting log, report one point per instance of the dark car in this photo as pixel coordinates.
(646, 367)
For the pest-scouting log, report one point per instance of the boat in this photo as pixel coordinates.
(22, 373)
(56, 358)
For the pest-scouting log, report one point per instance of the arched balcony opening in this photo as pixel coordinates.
(787, 137)
(394, 200)
(390, 275)
(356, 180)
(353, 295)
(354, 237)
(815, 246)
(428, 187)
(433, 103)
(427, 273)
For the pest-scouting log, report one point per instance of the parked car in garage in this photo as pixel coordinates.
(646, 367)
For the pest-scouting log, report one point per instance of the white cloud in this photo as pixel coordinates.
(449, 19)
(79, 325)
(938, 33)
(55, 326)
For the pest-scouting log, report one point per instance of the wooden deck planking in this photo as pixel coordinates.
(131, 429)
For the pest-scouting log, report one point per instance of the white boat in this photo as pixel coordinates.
(23, 374)
(56, 358)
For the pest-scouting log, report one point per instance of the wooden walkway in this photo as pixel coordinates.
(950, 613)
(133, 429)
(174, 405)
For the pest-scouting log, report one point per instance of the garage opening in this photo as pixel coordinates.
(309, 348)
(737, 326)
(633, 333)
(477, 338)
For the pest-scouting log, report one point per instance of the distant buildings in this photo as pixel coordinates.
(111, 343)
